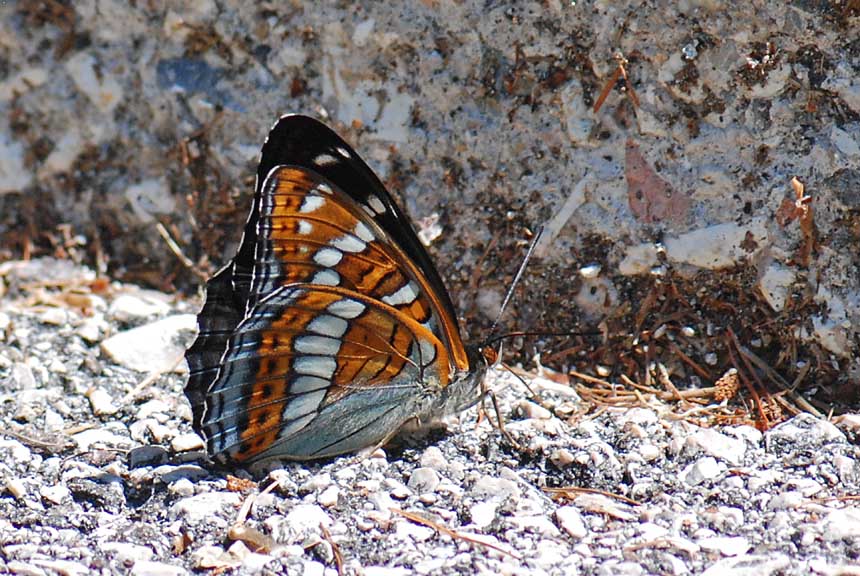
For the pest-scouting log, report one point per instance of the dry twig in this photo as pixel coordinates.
(452, 533)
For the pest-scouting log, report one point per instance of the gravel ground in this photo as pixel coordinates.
(100, 472)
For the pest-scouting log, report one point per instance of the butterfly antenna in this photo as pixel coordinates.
(513, 287)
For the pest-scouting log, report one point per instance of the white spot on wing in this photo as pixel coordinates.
(327, 277)
(308, 384)
(324, 188)
(406, 294)
(376, 204)
(321, 366)
(328, 325)
(428, 351)
(349, 243)
(325, 160)
(346, 308)
(363, 232)
(229, 438)
(317, 345)
(342, 151)
(304, 404)
(311, 203)
(305, 227)
(328, 257)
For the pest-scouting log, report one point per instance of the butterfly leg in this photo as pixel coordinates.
(500, 421)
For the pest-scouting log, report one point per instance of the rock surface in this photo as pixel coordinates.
(122, 125)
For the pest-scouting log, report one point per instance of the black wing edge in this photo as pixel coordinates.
(222, 312)
(299, 140)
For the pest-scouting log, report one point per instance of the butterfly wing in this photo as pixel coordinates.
(330, 371)
(319, 217)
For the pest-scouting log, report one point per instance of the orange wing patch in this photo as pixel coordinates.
(377, 345)
(305, 217)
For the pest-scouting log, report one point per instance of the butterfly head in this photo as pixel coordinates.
(465, 389)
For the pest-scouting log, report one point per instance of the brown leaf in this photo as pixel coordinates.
(651, 198)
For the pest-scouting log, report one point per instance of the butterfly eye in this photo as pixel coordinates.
(489, 355)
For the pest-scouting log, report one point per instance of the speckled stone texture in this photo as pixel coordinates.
(117, 117)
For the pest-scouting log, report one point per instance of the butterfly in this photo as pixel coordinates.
(330, 329)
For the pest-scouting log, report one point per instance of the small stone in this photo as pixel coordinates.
(56, 494)
(126, 552)
(718, 246)
(101, 87)
(254, 563)
(590, 271)
(848, 423)
(407, 530)
(841, 524)
(186, 442)
(433, 458)
(718, 445)
(22, 377)
(702, 469)
(491, 487)
(130, 307)
(483, 513)
(531, 410)
(307, 518)
(638, 259)
(154, 409)
(428, 499)
(846, 468)
(365, 525)
(750, 565)
(843, 142)
(316, 482)
(101, 402)
(154, 347)
(214, 558)
(399, 491)
(640, 416)
(314, 568)
(149, 568)
(54, 317)
(775, 285)
(182, 487)
(16, 452)
(101, 437)
(423, 480)
(562, 458)
(91, 329)
(727, 546)
(57, 367)
(649, 452)
(786, 501)
(329, 497)
(571, 521)
(802, 430)
(204, 507)
(64, 567)
(16, 487)
(14, 176)
(807, 487)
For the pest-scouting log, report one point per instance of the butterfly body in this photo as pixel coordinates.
(331, 328)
